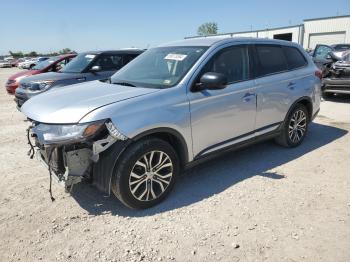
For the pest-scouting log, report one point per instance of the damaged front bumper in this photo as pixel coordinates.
(70, 160)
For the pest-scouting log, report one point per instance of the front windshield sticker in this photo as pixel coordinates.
(90, 56)
(176, 57)
(167, 81)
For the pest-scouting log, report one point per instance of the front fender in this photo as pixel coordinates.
(166, 109)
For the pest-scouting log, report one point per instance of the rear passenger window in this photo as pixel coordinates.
(294, 58)
(232, 62)
(271, 59)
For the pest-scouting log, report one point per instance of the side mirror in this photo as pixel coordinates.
(95, 69)
(211, 81)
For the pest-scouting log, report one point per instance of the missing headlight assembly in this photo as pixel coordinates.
(70, 151)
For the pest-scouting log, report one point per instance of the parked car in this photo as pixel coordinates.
(336, 75)
(15, 62)
(9, 58)
(25, 64)
(171, 107)
(85, 67)
(30, 63)
(53, 64)
(321, 53)
(4, 63)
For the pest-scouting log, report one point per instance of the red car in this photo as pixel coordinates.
(53, 64)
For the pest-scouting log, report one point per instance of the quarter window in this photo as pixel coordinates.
(232, 62)
(294, 58)
(271, 59)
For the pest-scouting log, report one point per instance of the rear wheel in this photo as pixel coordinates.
(145, 173)
(295, 127)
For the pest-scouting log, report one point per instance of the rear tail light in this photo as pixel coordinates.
(318, 73)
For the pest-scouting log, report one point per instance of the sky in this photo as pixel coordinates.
(82, 25)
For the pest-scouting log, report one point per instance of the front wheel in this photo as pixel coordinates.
(295, 127)
(145, 173)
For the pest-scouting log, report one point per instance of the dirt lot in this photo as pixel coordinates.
(264, 203)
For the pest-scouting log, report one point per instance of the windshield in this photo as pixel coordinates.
(160, 67)
(46, 63)
(78, 64)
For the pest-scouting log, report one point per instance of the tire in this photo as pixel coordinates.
(133, 181)
(31, 66)
(292, 135)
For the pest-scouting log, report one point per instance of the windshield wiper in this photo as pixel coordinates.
(123, 84)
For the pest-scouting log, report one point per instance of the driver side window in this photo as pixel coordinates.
(232, 62)
(109, 62)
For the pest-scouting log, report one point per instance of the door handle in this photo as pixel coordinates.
(81, 79)
(291, 85)
(247, 96)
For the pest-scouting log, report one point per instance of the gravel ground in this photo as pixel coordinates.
(263, 203)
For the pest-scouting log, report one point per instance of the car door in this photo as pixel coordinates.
(320, 55)
(275, 86)
(220, 118)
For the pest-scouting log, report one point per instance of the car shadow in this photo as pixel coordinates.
(339, 98)
(214, 176)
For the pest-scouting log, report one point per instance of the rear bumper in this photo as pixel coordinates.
(341, 86)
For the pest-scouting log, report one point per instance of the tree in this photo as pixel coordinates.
(65, 51)
(16, 54)
(33, 54)
(210, 28)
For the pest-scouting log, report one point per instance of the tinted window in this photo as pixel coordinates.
(109, 62)
(129, 57)
(232, 62)
(271, 59)
(294, 58)
(79, 63)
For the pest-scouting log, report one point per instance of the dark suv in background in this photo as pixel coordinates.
(88, 66)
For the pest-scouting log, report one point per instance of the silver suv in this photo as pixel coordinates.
(170, 107)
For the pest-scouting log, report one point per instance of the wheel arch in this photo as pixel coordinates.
(170, 135)
(306, 101)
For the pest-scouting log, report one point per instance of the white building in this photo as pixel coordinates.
(327, 30)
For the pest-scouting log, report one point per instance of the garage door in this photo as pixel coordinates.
(326, 38)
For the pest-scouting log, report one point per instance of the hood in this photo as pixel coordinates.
(24, 73)
(51, 76)
(71, 103)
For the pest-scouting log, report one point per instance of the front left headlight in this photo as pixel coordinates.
(41, 86)
(51, 134)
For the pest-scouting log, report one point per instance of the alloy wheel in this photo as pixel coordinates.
(151, 175)
(297, 126)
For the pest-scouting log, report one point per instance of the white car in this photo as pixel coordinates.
(28, 63)
(9, 58)
(4, 63)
